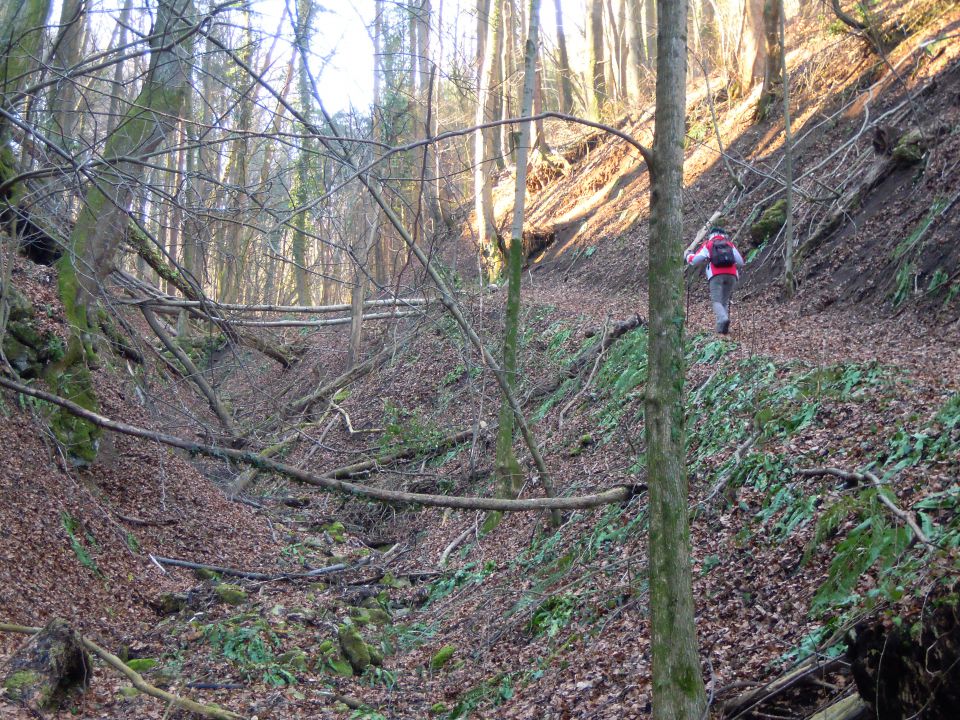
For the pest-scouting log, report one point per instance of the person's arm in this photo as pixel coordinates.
(698, 258)
(737, 258)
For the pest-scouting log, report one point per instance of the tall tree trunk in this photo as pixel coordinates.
(152, 118)
(117, 95)
(596, 85)
(636, 52)
(648, 24)
(485, 142)
(427, 114)
(566, 80)
(772, 15)
(509, 473)
(751, 56)
(678, 690)
(299, 245)
(69, 50)
(789, 281)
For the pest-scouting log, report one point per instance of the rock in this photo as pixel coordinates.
(294, 658)
(354, 648)
(335, 530)
(48, 669)
(340, 666)
(769, 224)
(379, 616)
(231, 594)
(910, 148)
(376, 655)
(360, 616)
(442, 657)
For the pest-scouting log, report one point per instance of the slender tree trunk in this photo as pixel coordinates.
(299, 246)
(772, 14)
(789, 282)
(596, 85)
(635, 52)
(678, 690)
(485, 149)
(649, 28)
(566, 80)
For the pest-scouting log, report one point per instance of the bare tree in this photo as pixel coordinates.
(678, 690)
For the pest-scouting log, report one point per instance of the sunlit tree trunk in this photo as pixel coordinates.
(772, 75)
(596, 85)
(485, 147)
(648, 23)
(566, 81)
(636, 52)
(789, 281)
(678, 690)
(751, 53)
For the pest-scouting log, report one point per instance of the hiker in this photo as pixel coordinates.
(724, 261)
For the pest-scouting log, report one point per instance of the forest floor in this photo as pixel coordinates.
(858, 372)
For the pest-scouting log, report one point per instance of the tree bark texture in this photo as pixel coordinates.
(678, 690)
(566, 81)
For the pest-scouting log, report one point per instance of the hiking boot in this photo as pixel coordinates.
(724, 327)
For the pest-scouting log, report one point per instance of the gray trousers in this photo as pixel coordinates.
(721, 288)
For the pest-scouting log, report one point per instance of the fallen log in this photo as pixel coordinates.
(616, 494)
(806, 671)
(211, 711)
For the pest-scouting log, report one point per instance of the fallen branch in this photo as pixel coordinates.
(252, 575)
(211, 711)
(173, 303)
(617, 494)
(194, 375)
(869, 477)
(305, 323)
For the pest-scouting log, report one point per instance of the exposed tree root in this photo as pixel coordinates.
(211, 711)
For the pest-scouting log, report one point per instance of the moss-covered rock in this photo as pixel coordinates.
(336, 531)
(231, 594)
(910, 148)
(48, 669)
(770, 222)
(294, 658)
(442, 657)
(340, 666)
(354, 648)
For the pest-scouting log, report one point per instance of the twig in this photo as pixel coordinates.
(453, 545)
(135, 678)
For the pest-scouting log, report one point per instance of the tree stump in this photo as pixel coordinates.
(46, 670)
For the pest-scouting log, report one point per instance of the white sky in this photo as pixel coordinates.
(342, 34)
